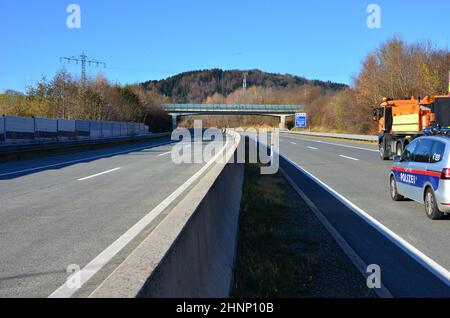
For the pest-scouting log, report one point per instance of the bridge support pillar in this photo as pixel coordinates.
(283, 121)
(174, 121)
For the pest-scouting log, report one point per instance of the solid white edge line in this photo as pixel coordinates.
(331, 143)
(346, 157)
(99, 174)
(360, 265)
(427, 262)
(104, 257)
(84, 159)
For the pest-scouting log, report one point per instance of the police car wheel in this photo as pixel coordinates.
(431, 207)
(393, 189)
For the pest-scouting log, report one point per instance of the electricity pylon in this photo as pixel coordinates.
(83, 59)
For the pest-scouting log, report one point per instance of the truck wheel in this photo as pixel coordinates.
(393, 189)
(399, 149)
(383, 155)
(431, 207)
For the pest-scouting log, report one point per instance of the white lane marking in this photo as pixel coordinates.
(164, 154)
(99, 174)
(346, 157)
(313, 148)
(86, 273)
(293, 143)
(354, 257)
(427, 262)
(84, 159)
(335, 144)
(185, 146)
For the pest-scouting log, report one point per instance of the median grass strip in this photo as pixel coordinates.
(283, 249)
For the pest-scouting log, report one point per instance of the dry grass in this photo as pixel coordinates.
(267, 264)
(284, 251)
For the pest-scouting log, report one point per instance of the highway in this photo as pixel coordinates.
(355, 171)
(73, 208)
(65, 209)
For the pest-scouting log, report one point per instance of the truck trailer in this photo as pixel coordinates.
(401, 121)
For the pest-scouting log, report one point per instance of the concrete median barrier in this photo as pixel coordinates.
(191, 253)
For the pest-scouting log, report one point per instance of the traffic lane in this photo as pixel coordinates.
(37, 184)
(48, 178)
(344, 142)
(362, 151)
(106, 199)
(366, 185)
(402, 274)
(16, 168)
(44, 232)
(355, 152)
(44, 178)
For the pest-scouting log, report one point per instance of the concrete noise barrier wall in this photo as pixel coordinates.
(96, 129)
(2, 129)
(107, 129)
(83, 129)
(45, 129)
(66, 129)
(20, 130)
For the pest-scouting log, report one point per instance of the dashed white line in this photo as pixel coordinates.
(313, 148)
(164, 154)
(293, 143)
(351, 158)
(99, 174)
(67, 290)
(84, 159)
(335, 144)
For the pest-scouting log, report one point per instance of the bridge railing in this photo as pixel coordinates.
(233, 107)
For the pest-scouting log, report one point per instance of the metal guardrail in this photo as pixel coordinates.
(20, 148)
(235, 107)
(370, 138)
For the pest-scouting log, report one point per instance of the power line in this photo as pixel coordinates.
(83, 59)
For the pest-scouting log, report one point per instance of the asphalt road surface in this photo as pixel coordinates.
(354, 170)
(59, 210)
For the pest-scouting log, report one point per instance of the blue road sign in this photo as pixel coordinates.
(300, 120)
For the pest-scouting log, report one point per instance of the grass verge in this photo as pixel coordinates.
(283, 249)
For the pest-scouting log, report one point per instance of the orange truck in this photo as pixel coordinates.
(400, 121)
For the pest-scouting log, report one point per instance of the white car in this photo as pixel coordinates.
(422, 174)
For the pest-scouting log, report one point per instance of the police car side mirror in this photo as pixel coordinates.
(397, 158)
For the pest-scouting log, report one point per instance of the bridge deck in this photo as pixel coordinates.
(232, 108)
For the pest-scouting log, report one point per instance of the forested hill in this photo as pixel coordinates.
(196, 86)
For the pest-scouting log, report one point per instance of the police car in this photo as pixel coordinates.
(422, 173)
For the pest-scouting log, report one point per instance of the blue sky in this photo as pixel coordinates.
(153, 39)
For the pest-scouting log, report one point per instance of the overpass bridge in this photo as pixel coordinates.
(280, 111)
